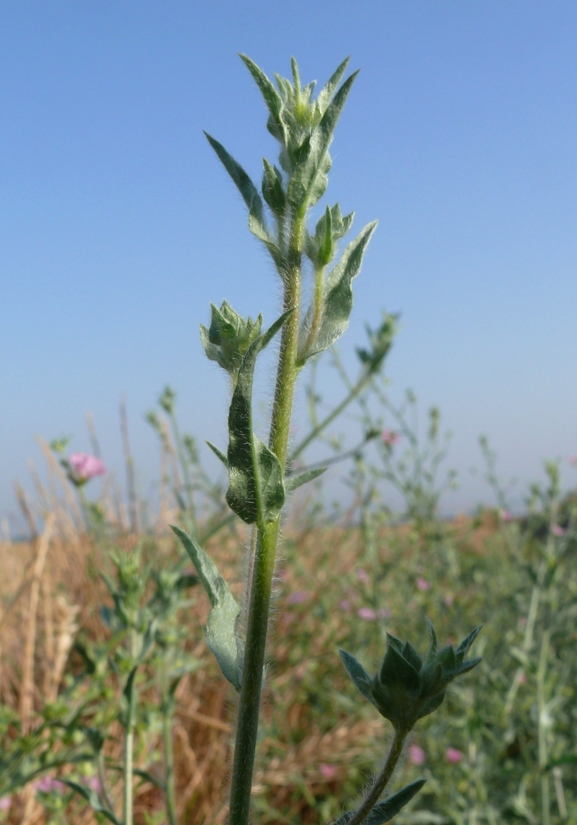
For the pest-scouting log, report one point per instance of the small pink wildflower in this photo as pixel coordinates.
(94, 783)
(48, 784)
(390, 438)
(5, 802)
(506, 516)
(363, 576)
(453, 755)
(85, 467)
(328, 771)
(367, 613)
(298, 597)
(422, 584)
(417, 755)
(345, 604)
(558, 531)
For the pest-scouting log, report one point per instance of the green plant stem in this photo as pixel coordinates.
(169, 788)
(127, 807)
(322, 425)
(183, 463)
(542, 730)
(259, 602)
(382, 779)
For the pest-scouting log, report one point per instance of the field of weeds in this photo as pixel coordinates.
(502, 747)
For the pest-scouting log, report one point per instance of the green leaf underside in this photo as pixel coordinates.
(292, 482)
(92, 798)
(221, 626)
(358, 674)
(256, 490)
(338, 295)
(243, 182)
(386, 810)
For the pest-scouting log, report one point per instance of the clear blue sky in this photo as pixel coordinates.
(118, 226)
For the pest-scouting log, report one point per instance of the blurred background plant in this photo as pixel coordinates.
(503, 750)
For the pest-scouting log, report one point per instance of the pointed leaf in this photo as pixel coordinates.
(434, 643)
(386, 810)
(338, 295)
(218, 453)
(324, 136)
(292, 482)
(271, 96)
(92, 798)
(463, 648)
(326, 92)
(221, 626)
(357, 673)
(148, 777)
(256, 489)
(243, 182)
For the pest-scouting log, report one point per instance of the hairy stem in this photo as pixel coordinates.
(382, 779)
(264, 560)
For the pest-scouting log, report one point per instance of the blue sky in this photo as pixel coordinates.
(118, 227)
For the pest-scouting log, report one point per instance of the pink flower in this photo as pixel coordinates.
(506, 516)
(85, 466)
(558, 531)
(367, 613)
(363, 576)
(453, 755)
(5, 802)
(328, 771)
(422, 584)
(94, 783)
(417, 755)
(298, 597)
(345, 604)
(390, 438)
(48, 784)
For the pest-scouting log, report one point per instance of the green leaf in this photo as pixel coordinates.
(92, 798)
(323, 137)
(337, 296)
(326, 92)
(218, 453)
(221, 626)
(243, 182)
(131, 697)
(358, 674)
(272, 188)
(148, 777)
(292, 482)
(256, 490)
(386, 810)
(271, 97)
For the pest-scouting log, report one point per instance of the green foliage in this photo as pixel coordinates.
(385, 811)
(256, 491)
(406, 687)
(221, 630)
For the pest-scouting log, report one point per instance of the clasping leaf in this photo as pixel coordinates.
(256, 490)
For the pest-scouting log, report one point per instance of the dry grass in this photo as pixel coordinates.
(51, 587)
